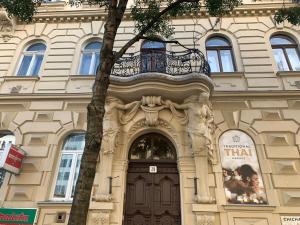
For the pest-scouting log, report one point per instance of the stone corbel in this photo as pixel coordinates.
(7, 26)
(203, 219)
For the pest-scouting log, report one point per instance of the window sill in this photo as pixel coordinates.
(250, 207)
(227, 74)
(21, 78)
(287, 73)
(82, 77)
(54, 203)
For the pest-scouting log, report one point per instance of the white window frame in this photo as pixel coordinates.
(75, 154)
(93, 59)
(33, 60)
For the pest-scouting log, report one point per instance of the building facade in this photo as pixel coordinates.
(183, 144)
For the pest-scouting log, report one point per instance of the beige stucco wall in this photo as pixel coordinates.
(42, 111)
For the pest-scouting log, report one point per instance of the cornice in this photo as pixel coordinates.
(52, 13)
(270, 94)
(216, 95)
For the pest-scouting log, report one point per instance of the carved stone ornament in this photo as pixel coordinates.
(205, 219)
(102, 198)
(204, 199)
(101, 218)
(7, 25)
(151, 106)
(200, 125)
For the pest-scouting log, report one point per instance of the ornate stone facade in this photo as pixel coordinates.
(192, 111)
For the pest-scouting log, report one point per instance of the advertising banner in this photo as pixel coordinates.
(11, 159)
(241, 172)
(17, 216)
(290, 220)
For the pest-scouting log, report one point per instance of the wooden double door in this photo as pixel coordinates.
(152, 194)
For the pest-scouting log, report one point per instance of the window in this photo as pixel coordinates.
(5, 139)
(32, 60)
(152, 146)
(153, 57)
(219, 55)
(69, 166)
(285, 53)
(90, 58)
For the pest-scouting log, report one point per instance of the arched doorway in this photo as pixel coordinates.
(152, 192)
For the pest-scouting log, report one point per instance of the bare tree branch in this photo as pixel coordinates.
(141, 34)
(163, 41)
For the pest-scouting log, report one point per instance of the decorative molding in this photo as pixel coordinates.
(7, 25)
(205, 219)
(102, 198)
(204, 199)
(60, 13)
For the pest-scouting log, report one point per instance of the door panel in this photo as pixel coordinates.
(152, 198)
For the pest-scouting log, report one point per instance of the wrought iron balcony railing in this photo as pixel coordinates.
(172, 63)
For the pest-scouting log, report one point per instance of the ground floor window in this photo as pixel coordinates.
(69, 166)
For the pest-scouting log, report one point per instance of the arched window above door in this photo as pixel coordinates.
(152, 146)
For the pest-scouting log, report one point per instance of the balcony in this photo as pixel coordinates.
(165, 62)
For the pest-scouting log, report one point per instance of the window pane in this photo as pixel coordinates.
(212, 57)
(85, 64)
(76, 174)
(153, 44)
(152, 147)
(281, 40)
(294, 58)
(93, 46)
(37, 65)
(63, 176)
(97, 61)
(142, 149)
(74, 142)
(280, 60)
(161, 150)
(24, 65)
(37, 47)
(227, 62)
(213, 42)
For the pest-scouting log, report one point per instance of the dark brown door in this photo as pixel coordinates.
(152, 198)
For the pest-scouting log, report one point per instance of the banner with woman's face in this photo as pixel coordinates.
(241, 172)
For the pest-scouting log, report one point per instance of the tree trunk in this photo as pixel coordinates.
(96, 110)
(95, 114)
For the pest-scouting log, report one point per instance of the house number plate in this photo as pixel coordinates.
(152, 169)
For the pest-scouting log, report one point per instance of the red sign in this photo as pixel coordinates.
(11, 159)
